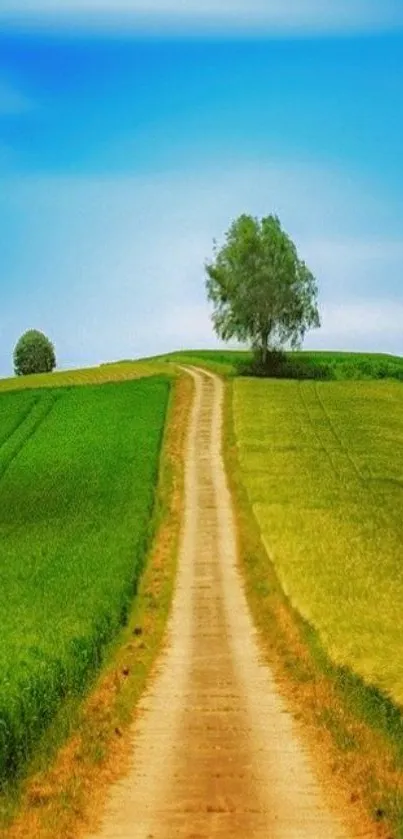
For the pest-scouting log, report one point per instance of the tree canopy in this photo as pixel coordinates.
(34, 353)
(261, 291)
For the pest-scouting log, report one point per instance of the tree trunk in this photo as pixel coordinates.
(264, 346)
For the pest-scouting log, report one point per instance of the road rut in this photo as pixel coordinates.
(215, 753)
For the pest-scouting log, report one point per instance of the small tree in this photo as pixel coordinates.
(34, 353)
(261, 291)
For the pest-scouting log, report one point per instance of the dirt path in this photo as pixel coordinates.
(215, 753)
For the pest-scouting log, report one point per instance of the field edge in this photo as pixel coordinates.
(65, 796)
(354, 730)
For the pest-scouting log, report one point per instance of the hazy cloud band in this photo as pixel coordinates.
(274, 17)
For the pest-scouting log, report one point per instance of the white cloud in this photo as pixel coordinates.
(275, 16)
(377, 317)
(113, 267)
(359, 265)
(365, 325)
(188, 325)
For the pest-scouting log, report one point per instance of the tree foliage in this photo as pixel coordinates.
(262, 292)
(34, 353)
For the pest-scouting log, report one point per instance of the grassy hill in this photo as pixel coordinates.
(322, 463)
(321, 458)
(317, 473)
(115, 372)
(299, 365)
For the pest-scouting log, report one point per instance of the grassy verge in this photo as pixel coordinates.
(65, 786)
(357, 730)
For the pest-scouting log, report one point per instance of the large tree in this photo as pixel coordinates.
(262, 292)
(34, 353)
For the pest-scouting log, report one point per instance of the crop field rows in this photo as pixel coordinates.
(318, 428)
(323, 466)
(78, 471)
(21, 422)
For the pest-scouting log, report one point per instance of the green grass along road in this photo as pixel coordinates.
(322, 463)
(78, 471)
(323, 466)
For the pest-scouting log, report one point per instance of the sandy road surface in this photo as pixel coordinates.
(215, 753)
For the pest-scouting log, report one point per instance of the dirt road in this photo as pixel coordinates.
(215, 753)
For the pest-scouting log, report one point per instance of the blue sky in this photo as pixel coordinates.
(131, 135)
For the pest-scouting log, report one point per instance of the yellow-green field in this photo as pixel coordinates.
(323, 466)
(89, 375)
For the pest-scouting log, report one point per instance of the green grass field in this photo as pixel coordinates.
(78, 471)
(322, 463)
(300, 365)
